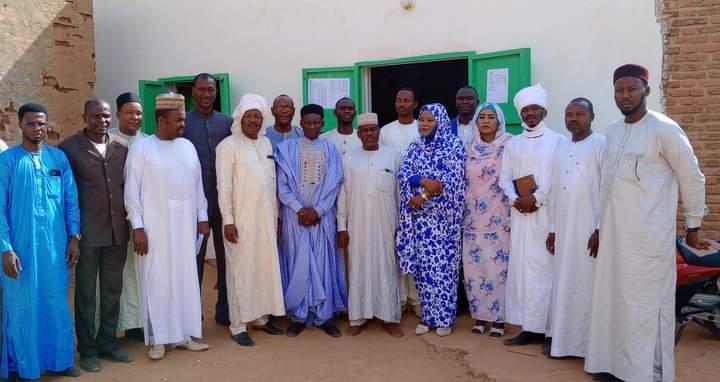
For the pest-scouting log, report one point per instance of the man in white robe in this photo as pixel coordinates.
(248, 205)
(167, 209)
(574, 220)
(650, 160)
(398, 135)
(367, 219)
(344, 137)
(529, 281)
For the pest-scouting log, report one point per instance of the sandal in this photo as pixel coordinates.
(497, 332)
(479, 329)
(421, 329)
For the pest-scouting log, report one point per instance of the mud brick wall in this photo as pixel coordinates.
(691, 87)
(47, 54)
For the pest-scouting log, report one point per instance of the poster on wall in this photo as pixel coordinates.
(497, 85)
(326, 91)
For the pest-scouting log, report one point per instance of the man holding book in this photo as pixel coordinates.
(526, 177)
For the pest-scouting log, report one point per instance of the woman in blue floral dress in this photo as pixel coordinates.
(486, 227)
(431, 182)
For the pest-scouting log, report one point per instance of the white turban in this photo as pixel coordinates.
(249, 102)
(533, 95)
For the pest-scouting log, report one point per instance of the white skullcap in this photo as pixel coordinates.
(249, 102)
(532, 95)
(367, 119)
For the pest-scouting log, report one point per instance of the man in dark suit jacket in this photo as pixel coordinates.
(98, 166)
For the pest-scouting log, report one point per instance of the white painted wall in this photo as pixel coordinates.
(264, 44)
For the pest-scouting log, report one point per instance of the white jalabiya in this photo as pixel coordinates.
(164, 195)
(398, 136)
(633, 308)
(344, 143)
(247, 199)
(367, 210)
(574, 215)
(529, 281)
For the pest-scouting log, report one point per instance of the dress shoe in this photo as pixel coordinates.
(295, 329)
(604, 377)
(524, 338)
(355, 330)
(330, 329)
(270, 329)
(117, 356)
(90, 364)
(393, 329)
(243, 339)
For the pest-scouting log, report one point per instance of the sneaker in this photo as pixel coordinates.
(443, 332)
(156, 352)
(90, 364)
(421, 329)
(192, 346)
(243, 339)
(117, 356)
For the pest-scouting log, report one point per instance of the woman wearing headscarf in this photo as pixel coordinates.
(249, 209)
(431, 181)
(486, 227)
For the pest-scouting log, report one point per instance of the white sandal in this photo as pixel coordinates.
(479, 329)
(421, 329)
(443, 332)
(499, 331)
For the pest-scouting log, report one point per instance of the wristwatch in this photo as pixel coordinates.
(76, 236)
(694, 229)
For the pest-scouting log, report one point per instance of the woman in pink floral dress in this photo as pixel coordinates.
(486, 226)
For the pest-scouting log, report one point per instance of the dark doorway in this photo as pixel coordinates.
(435, 81)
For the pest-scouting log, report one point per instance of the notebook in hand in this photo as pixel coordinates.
(525, 185)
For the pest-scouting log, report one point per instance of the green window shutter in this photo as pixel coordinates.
(148, 91)
(348, 72)
(224, 92)
(517, 61)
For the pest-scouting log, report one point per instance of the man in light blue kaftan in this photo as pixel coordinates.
(39, 233)
(309, 178)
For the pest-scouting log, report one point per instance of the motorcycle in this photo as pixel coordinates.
(697, 297)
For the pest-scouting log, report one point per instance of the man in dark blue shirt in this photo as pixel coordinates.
(205, 128)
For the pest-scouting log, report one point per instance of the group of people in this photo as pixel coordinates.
(570, 239)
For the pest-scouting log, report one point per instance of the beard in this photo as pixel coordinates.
(637, 108)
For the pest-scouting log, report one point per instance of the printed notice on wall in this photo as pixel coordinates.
(497, 85)
(326, 91)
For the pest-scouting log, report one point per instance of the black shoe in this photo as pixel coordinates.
(138, 334)
(604, 377)
(547, 346)
(524, 338)
(72, 372)
(295, 329)
(330, 329)
(243, 339)
(90, 364)
(270, 329)
(222, 321)
(117, 356)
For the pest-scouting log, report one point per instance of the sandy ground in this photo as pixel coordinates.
(374, 356)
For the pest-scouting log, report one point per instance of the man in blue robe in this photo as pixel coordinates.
(39, 242)
(309, 178)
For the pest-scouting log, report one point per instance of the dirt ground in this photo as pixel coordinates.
(374, 356)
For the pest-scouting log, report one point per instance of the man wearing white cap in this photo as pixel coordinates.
(248, 205)
(366, 220)
(167, 209)
(527, 161)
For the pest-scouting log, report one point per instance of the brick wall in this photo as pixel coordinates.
(691, 86)
(47, 54)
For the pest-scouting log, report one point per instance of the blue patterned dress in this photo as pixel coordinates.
(486, 228)
(429, 238)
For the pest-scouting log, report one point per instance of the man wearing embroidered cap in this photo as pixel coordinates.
(529, 280)
(367, 219)
(167, 209)
(309, 178)
(248, 205)
(650, 161)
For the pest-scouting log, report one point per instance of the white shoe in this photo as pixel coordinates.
(192, 346)
(156, 352)
(442, 332)
(421, 329)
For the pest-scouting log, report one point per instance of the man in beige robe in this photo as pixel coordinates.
(248, 204)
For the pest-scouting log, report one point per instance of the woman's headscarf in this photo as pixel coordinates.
(442, 130)
(249, 102)
(481, 149)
